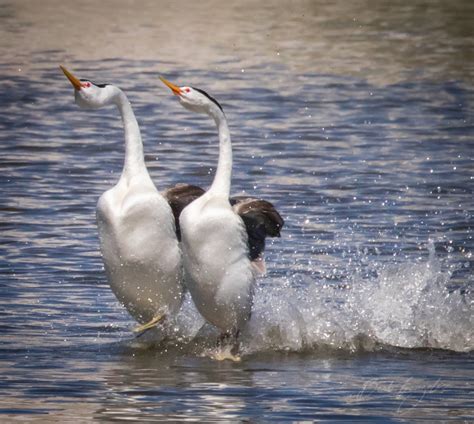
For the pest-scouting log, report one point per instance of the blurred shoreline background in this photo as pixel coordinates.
(381, 41)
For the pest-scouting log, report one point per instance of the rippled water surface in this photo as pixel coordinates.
(355, 120)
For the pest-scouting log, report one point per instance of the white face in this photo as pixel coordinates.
(90, 96)
(195, 101)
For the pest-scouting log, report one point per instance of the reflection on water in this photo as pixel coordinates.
(155, 386)
(355, 119)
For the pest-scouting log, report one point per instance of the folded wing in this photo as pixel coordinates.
(260, 217)
(180, 196)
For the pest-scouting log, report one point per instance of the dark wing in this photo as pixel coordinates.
(260, 217)
(180, 196)
(261, 220)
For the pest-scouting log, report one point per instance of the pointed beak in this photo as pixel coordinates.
(74, 81)
(174, 88)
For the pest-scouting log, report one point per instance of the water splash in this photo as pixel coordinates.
(406, 305)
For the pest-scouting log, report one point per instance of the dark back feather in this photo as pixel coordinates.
(180, 196)
(261, 220)
(260, 217)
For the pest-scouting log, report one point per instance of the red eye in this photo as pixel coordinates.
(86, 84)
(187, 90)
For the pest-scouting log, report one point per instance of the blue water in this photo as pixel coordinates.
(366, 310)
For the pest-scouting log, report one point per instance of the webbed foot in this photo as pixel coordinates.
(150, 324)
(226, 353)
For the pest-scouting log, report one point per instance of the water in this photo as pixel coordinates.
(356, 120)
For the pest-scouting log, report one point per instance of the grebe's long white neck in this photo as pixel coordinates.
(223, 176)
(95, 96)
(199, 101)
(134, 159)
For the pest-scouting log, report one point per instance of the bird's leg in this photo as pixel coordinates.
(236, 343)
(150, 324)
(223, 338)
(228, 346)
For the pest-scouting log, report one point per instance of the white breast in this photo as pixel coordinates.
(140, 251)
(218, 271)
